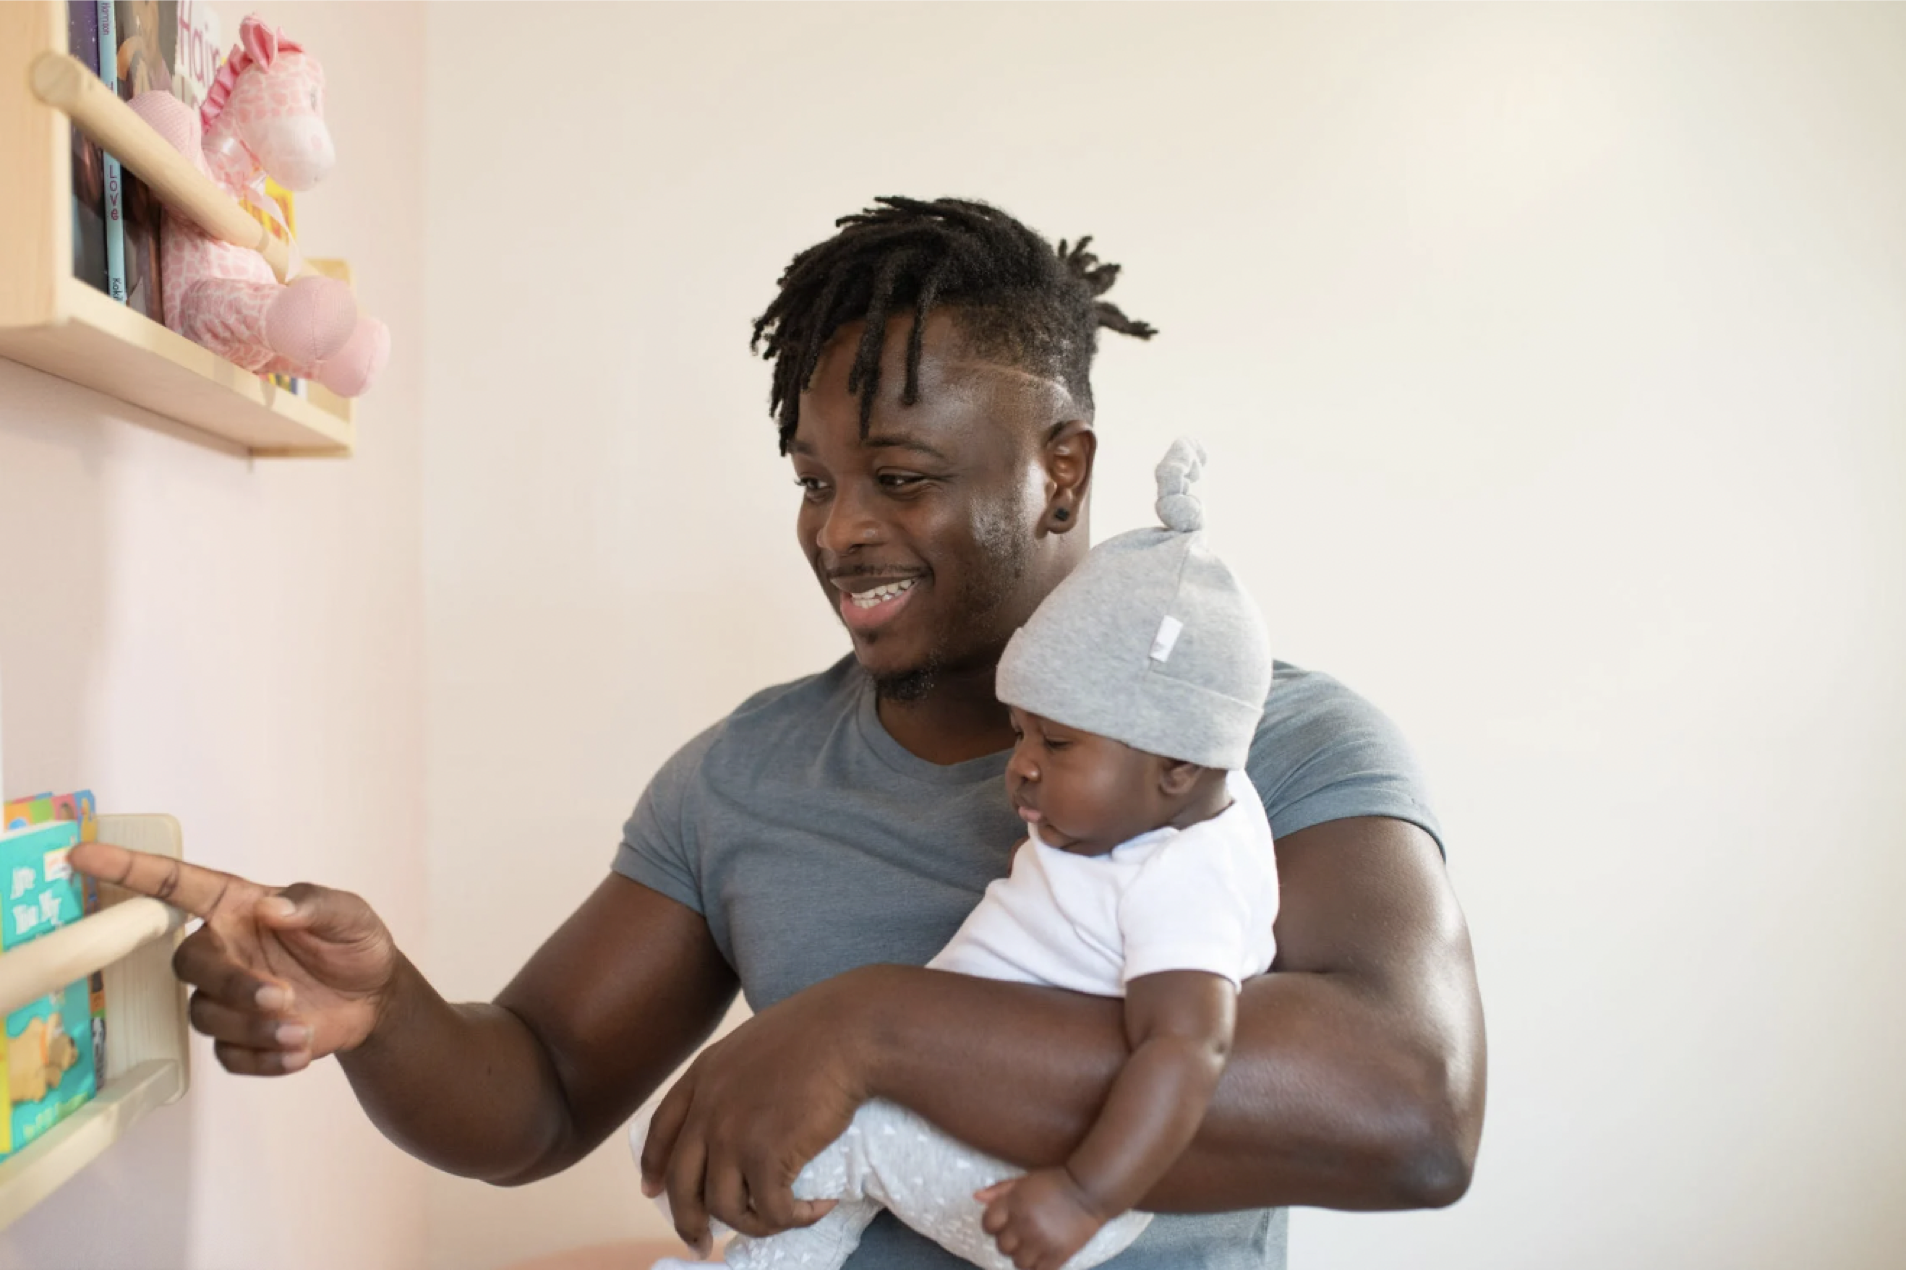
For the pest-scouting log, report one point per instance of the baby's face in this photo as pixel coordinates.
(1086, 793)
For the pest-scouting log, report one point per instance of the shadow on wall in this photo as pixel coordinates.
(55, 517)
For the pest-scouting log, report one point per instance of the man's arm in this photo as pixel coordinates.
(1355, 1080)
(1357, 1072)
(521, 1089)
(509, 1092)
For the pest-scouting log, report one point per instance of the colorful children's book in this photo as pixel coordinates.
(106, 58)
(49, 1059)
(35, 810)
(197, 52)
(89, 167)
(78, 808)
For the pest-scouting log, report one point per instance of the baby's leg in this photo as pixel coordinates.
(891, 1158)
(928, 1179)
(825, 1245)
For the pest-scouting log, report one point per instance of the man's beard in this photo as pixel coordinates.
(911, 685)
(1006, 544)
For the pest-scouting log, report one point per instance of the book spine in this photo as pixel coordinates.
(115, 181)
(89, 172)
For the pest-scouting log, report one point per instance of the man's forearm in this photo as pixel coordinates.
(1318, 1105)
(464, 1088)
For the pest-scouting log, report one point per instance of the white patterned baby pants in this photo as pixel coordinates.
(890, 1158)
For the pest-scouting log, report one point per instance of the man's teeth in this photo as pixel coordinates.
(881, 594)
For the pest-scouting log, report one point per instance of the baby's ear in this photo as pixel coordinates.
(1176, 777)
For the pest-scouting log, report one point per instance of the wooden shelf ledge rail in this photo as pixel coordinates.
(54, 960)
(63, 83)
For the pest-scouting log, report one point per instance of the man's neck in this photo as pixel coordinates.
(958, 719)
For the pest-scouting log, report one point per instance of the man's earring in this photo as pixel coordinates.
(1060, 513)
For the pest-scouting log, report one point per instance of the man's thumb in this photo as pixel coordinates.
(319, 910)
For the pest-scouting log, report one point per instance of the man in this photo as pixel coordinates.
(817, 846)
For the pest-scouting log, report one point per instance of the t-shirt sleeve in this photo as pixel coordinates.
(1186, 910)
(1324, 753)
(657, 848)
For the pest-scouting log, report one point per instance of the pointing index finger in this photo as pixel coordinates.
(197, 890)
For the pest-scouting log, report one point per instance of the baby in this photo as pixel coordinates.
(1147, 873)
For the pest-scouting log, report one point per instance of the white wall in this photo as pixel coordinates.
(1552, 362)
(241, 644)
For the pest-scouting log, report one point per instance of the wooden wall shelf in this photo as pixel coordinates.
(148, 1059)
(54, 322)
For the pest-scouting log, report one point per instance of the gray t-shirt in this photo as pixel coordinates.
(813, 842)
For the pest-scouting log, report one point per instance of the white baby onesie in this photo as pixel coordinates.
(1202, 898)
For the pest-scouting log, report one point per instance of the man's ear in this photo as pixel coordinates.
(1176, 777)
(1069, 450)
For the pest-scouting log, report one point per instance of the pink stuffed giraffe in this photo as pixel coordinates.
(265, 114)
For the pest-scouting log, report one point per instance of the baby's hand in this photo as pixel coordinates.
(1039, 1220)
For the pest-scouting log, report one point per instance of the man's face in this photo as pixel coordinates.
(923, 534)
(1083, 792)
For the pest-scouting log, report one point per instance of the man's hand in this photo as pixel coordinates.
(1039, 1220)
(729, 1139)
(281, 976)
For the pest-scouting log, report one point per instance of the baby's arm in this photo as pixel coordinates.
(1178, 1024)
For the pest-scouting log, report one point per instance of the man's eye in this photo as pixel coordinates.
(900, 480)
(809, 486)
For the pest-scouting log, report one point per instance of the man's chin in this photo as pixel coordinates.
(898, 678)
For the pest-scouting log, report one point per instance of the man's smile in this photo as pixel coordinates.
(870, 601)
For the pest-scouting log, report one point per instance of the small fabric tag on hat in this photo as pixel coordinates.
(1167, 636)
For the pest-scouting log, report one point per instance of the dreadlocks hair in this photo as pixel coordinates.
(1018, 299)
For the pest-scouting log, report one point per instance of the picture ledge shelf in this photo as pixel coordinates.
(57, 323)
(148, 1058)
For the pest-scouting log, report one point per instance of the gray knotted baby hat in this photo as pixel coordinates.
(1150, 641)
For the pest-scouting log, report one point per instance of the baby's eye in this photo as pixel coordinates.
(1058, 743)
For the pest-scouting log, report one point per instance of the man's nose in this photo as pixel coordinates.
(850, 523)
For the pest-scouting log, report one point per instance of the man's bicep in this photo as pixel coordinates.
(619, 997)
(1356, 1074)
(1368, 910)
(1367, 896)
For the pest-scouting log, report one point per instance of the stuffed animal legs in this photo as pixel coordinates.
(250, 323)
(349, 371)
(310, 328)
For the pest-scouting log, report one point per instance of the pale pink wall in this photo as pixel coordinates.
(241, 644)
